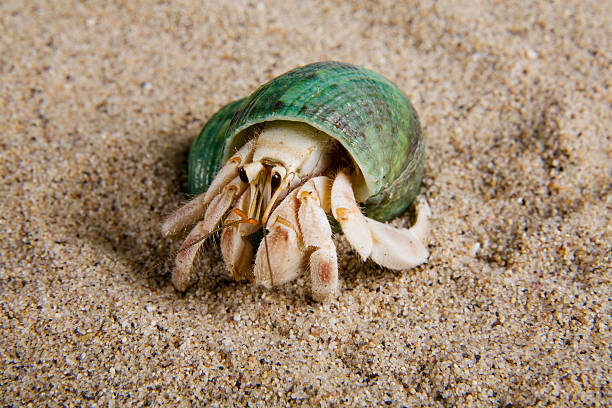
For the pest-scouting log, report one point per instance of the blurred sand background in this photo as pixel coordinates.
(99, 103)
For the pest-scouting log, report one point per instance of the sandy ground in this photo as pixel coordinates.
(98, 106)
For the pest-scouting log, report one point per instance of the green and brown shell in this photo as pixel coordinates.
(370, 116)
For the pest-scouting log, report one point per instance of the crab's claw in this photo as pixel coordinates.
(299, 235)
(281, 255)
(236, 249)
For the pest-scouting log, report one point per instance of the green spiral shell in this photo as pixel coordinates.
(365, 112)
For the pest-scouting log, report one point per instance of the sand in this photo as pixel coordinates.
(98, 106)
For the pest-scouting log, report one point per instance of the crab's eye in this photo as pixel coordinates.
(275, 181)
(243, 175)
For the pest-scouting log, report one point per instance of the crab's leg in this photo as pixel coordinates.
(182, 274)
(394, 248)
(401, 248)
(194, 209)
(346, 211)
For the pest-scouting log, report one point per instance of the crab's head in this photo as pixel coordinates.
(286, 153)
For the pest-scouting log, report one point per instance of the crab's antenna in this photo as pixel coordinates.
(216, 230)
(265, 239)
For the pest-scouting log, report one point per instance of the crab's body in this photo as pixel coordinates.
(294, 163)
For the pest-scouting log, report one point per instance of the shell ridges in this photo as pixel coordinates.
(366, 113)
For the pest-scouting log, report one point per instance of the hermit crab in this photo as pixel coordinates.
(323, 146)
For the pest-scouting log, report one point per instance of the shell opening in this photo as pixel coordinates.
(363, 185)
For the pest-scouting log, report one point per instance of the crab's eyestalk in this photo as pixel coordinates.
(251, 174)
(278, 174)
(285, 180)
